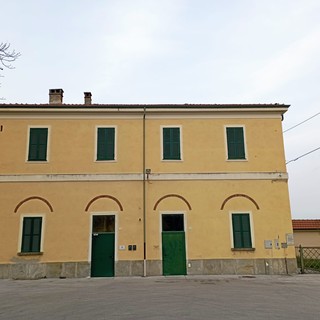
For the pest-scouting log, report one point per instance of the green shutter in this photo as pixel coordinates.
(37, 222)
(31, 234)
(246, 232)
(241, 231)
(38, 140)
(166, 143)
(26, 235)
(171, 144)
(236, 225)
(235, 142)
(105, 144)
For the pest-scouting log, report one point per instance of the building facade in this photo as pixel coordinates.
(306, 232)
(120, 190)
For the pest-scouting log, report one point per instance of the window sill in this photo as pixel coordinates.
(171, 160)
(243, 249)
(37, 161)
(30, 253)
(237, 160)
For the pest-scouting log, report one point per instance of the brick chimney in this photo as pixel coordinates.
(55, 96)
(87, 98)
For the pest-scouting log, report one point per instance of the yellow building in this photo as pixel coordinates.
(120, 190)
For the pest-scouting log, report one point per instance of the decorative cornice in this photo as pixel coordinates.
(160, 106)
(138, 111)
(239, 195)
(104, 196)
(33, 198)
(283, 176)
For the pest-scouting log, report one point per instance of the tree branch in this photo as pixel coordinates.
(7, 55)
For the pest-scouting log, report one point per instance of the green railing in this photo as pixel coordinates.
(308, 259)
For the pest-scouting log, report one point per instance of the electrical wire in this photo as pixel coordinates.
(301, 122)
(303, 155)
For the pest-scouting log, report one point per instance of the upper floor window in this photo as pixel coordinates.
(171, 148)
(235, 143)
(38, 142)
(31, 234)
(106, 144)
(241, 231)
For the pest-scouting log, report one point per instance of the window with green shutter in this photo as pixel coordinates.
(38, 140)
(241, 230)
(106, 144)
(235, 142)
(171, 144)
(31, 234)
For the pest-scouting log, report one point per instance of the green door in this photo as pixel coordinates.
(173, 253)
(102, 259)
(173, 245)
(102, 252)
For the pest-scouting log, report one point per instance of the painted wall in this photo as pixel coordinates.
(310, 238)
(208, 228)
(67, 228)
(72, 145)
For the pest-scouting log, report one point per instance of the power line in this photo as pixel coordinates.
(303, 155)
(301, 122)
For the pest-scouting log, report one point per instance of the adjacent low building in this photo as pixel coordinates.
(306, 232)
(120, 190)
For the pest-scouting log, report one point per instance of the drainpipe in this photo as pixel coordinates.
(144, 192)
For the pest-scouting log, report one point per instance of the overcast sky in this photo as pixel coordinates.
(177, 51)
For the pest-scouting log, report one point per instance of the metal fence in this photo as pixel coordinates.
(308, 259)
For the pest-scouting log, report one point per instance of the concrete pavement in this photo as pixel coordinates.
(191, 297)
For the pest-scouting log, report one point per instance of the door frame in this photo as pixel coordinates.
(106, 213)
(185, 233)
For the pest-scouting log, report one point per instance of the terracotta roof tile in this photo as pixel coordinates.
(310, 224)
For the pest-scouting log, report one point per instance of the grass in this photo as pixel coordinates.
(309, 264)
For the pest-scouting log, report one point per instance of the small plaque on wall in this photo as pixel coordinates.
(268, 244)
(290, 239)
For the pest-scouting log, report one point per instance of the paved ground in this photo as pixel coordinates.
(192, 297)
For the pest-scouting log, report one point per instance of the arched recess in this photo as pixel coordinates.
(101, 197)
(172, 195)
(239, 195)
(33, 198)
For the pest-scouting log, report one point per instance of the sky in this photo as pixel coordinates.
(177, 51)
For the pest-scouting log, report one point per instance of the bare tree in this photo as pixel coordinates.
(7, 55)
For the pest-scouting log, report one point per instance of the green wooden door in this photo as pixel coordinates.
(102, 255)
(173, 253)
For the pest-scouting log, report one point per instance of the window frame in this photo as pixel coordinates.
(162, 141)
(21, 234)
(172, 214)
(233, 248)
(48, 143)
(244, 142)
(96, 143)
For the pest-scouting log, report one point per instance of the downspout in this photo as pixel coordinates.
(144, 192)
